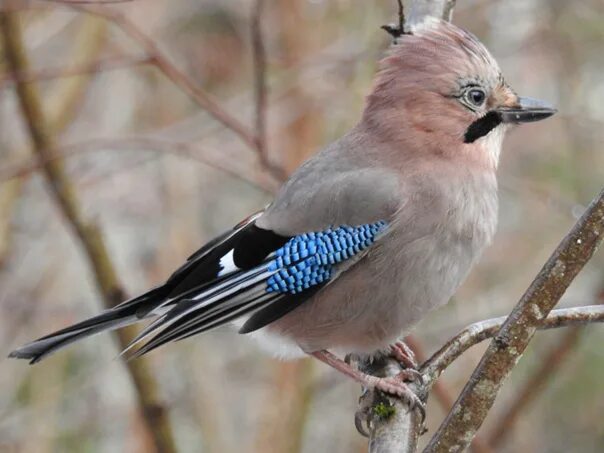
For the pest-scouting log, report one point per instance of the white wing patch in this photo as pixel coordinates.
(227, 264)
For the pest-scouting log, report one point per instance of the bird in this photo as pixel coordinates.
(365, 238)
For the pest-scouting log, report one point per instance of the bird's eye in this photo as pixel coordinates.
(475, 97)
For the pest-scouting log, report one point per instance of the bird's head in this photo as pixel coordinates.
(440, 91)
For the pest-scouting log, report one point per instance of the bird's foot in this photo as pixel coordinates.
(392, 385)
(396, 386)
(403, 355)
(371, 400)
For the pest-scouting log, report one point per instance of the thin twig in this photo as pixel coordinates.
(87, 2)
(65, 96)
(153, 411)
(261, 93)
(142, 143)
(397, 30)
(482, 330)
(9, 195)
(102, 65)
(505, 350)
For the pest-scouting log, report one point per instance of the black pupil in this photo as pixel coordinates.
(476, 96)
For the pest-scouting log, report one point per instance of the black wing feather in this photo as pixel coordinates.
(277, 309)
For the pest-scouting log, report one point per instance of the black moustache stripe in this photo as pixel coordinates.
(482, 126)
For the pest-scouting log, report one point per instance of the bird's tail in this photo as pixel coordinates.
(127, 313)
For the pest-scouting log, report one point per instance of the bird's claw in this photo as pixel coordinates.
(364, 414)
(411, 375)
(403, 355)
(362, 421)
(396, 386)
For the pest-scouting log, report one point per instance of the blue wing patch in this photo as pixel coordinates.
(308, 259)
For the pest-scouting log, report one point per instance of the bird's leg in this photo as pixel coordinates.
(393, 385)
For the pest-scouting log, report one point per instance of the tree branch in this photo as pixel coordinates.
(60, 109)
(432, 368)
(482, 330)
(261, 92)
(154, 412)
(505, 350)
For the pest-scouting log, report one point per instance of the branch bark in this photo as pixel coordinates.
(477, 398)
(89, 236)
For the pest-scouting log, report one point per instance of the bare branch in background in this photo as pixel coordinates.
(153, 410)
(60, 108)
(155, 57)
(87, 2)
(65, 96)
(105, 64)
(9, 194)
(153, 144)
(178, 77)
(480, 392)
(261, 92)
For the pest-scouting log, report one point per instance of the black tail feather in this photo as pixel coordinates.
(122, 315)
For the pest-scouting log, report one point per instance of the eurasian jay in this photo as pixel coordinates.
(366, 237)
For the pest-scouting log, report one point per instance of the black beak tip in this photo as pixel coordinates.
(532, 115)
(528, 111)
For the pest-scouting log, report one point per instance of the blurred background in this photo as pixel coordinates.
(161, 177)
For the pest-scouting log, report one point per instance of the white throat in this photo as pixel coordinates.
(492, 142)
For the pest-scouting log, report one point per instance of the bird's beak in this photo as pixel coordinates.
(526, 110)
